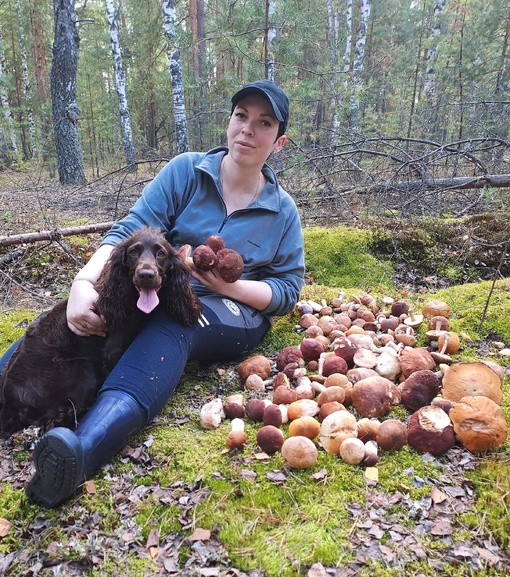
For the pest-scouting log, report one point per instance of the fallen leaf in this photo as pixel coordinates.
(372, 474)
(90, 487)
(200, 535)
(438, 496)
(153, 551)
(152, 539)
(316, 570)
(441, 527)
(4, 527)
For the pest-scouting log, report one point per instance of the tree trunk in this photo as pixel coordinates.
(357, 67)
(174, 62)
(8, 143)
(270, 40)
(120, 83)
(430, 57)
(63, 94)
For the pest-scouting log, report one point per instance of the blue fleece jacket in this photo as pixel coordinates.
(185, 200)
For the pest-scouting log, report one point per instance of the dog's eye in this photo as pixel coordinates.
(161, 253)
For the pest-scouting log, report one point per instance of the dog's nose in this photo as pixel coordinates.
(146, 273)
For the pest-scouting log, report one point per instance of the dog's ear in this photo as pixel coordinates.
(180, 300)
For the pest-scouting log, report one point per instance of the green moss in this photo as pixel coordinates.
(340, 257)
(13, 325)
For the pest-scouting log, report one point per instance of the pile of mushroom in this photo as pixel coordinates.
(357, 360)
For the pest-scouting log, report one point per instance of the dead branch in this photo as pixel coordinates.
(55, 234)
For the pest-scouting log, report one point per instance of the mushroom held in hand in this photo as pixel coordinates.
(204, 258)
(299, 452)
(230, 265)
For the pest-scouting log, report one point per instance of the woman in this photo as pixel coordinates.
(226, 191)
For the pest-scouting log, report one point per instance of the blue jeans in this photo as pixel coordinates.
(153, 364)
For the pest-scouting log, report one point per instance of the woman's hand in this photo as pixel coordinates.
(254, 293)
(81, 317)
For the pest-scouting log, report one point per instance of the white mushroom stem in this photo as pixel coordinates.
(445, 344)
(237, 425)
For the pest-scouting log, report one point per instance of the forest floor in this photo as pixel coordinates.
(33, 276)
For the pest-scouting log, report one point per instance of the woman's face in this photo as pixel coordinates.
(252, 131)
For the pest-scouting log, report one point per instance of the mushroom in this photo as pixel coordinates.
(388, 365)
(211, 414)
(328, 408)
(405, 334)
(413, 320)
(399, 308)
(412, 360)
(335, 393)
(230, 265)
(330, 363)
(419, 389)
(391, 435)
(304, 427)
(374, 396)
(301, 408)
(471, 379)
(255, 409)
(367, 429)
(257, 364)
(311, 349)
(284, 395)
(479, 423)
(215, 242)
(299, 452)
(233, 410)
(288, 355)
(236, 438)
(272, 415)
(371, 458)
(270, 439)
(254, 383)
(352, 451)
(204, 258)
(448, 343)
(335, 428)
(436, 307)
(429, 430)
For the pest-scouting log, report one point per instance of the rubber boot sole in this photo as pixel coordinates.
(58, 460)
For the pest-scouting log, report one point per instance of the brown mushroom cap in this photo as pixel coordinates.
(412, 360)
(254, 410)
(335, 428)
(335, 393)
(299, 452)
(304, 427)
(230, 265)
(272, 416)
(334, 364)
(204, 258)
(284, 395)
(471, 379)
(215, 242)
(374, 396)
(448, 343)
(270, 439)
(288, 355)
(301, 408)
(328, 408)
(391, 435)
(399, 308)
(233, 410)
(257, 364)
(352, 450)
(479, 423)
(367, 429)
(436, 307)
(419, 389)
(344, 347)
(311, 349)
(429, 430)
(236, 437)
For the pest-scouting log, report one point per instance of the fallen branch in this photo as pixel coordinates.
(55, 234)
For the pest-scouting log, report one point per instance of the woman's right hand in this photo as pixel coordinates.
(82, 319)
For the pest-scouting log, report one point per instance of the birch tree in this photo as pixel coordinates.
(333, 65)
(8, 141)
(270, 40)
(358, 62)
(429, 86)
(29, 148)
(174, 63)
(66, 112)
(120, 84)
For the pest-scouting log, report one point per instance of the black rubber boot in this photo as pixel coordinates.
(64, 459)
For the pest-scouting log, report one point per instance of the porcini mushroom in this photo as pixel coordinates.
(270, 439)
(230, 265)
(419, 389)
(468, 379)
(304, 427)
(429, 430)
(374, 396)
(391, 435)
(352, 451)
(299, 452)
(258, 364)
(204, 258)
(236, 438)
(335, 428)
(211, 414)
(436, 307)
(479, 423)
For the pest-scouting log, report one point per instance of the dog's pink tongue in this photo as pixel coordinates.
(148, 300)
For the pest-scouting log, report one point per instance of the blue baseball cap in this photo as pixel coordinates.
(277, 98)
